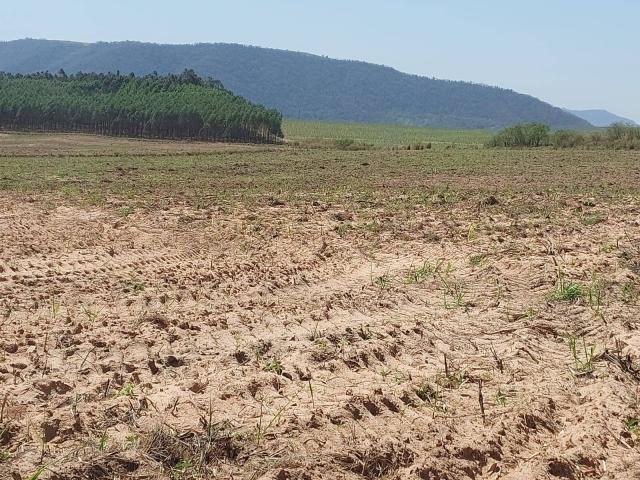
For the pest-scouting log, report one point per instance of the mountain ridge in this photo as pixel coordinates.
(601, 117)
(300, 85)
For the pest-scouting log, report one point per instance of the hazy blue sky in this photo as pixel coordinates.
(572, 53)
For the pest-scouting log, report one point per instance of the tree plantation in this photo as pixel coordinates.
(172, 107)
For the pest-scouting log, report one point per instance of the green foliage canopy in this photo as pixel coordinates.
(522, 135)
(617, 136)
(174, 107)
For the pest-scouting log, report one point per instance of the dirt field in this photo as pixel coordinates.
(318, 314)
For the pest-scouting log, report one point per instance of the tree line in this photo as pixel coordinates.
(617, 136)
(181, 106)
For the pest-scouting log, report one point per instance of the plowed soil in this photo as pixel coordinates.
(494, 335)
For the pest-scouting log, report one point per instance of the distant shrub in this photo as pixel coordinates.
(350, 144)
(596, 139)
(417, 146)
(522, 135)
(567, 139)
(344, 143)
(622, 136)
(618, 136)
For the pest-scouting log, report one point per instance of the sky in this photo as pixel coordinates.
(578, 54)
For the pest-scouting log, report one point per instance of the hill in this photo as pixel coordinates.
(300, 85)
(174, 106)
(601, 118)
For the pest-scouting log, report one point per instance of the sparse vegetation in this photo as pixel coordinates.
(426, 270)
(567, 291)
(192, 454)
(583, 355)
(595, 293)
(133, 286)
(55, 306)
(454, 294)
(432, 396)
(477, 260)
(383, 282)
(102, 442)
(343, 229)
(127, 390)
(37, 474)
(501, 399)
(592, 219)
(617, 136)
(126, 211)
(630, 293)
(453, 377)
(274, 366)
(633, 426)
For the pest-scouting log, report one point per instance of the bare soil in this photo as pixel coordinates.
(309, 340)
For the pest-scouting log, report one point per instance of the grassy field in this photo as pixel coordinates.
(154, 173)
(380, 135)
(185, 311)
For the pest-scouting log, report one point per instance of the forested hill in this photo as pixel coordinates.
(172, 106)
(301, 85)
